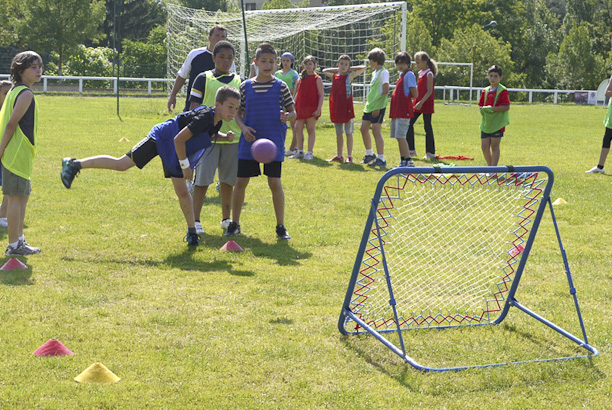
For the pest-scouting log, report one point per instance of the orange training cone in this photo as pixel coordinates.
(14, 263)
(231, 246)
(97, 373)
(53, 348)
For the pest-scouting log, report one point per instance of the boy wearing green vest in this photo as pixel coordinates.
(607, 139)
(494, 105)
(223, 155)
(374, 111)
(18, 125)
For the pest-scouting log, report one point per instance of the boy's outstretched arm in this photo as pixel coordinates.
(356, 71)
(181, 152)
(329, 72)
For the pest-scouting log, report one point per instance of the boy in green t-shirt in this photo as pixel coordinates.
(494, 105)
(374, 111)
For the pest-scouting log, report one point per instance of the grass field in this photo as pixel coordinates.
(258, 329)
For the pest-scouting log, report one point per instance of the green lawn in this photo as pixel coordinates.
(258, 329)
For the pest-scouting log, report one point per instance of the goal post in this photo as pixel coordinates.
(324, 32)
(446, 247)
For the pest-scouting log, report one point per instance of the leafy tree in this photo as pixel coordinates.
(277, 4)
(146, 59)
(210, 5)
(575, 66)
(136, 17)
(417, 36)
(479, 47)
(10, 13)
(60, 25)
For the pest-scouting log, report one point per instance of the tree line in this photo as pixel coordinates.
(539, 43)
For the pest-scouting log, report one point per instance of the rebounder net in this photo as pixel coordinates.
(442, 248)
(451, 244)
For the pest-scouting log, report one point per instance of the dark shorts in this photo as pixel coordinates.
(248, 168)
(497, 134)
(367, 116)
(15, 185)
(143, 152)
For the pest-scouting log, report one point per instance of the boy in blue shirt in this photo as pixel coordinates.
(266, 106)
(180, 142)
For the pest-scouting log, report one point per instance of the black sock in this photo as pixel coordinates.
(599, 166)
(191, 230)
(77, 164)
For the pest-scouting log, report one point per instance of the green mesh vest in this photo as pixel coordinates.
(210, 94)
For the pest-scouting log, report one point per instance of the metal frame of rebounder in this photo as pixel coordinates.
(511, 301)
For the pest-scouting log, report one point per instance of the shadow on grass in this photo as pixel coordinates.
(316, 161)
(281, 251)
(16, 277)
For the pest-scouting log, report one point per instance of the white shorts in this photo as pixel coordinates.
(225, 158)
(399, 127)
(347, 127)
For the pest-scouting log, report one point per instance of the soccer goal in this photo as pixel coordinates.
(324, 32)
(456, 82)
(445, 248)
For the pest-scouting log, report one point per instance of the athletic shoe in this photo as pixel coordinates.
(192, 239)
(410, 163)
(429, 156)
(413, 153)
(308, 156)
(232, 230)
(348, 160)
(369, 158)
(281, 232)
(23, 249)
(225, 223)
(69, 171)
(3, 223)
(199, 229)
(297, 155)
(289, 152)
(596, 170)
(378, 163)
(402, 164)
(337, 158)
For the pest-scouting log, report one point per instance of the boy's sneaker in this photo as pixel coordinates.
(348, 160)
(281, 232)
(308, 156)
(596, 170)
(69, 171)
(429, 156)
(289, 152)
(337, 158)
(232, 230)
(413, 153)
(225, 223)
(410, 163)
(378, 163)
(199, 229)
(192, 239)
(369, 158)
(23, 249)
(297, 154)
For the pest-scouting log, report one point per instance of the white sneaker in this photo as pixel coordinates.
(308, 156)
(225, 223)
(3, 222)
(289, 153)
(596, 170)
(198, 227)
(297, 154)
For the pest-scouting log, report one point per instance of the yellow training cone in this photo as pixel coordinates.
(560, 201)
(123, 139)
(97, 373)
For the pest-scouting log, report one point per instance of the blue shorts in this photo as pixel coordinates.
(367, 116)
(496, 134)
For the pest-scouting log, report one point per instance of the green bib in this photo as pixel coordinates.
(376, 100)
(210, 94)
(493, 121)
(19, 153)
(608, 119)
(287, 78)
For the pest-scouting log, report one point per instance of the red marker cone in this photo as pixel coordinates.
(231, 246)
(14, 263)
(53, 348)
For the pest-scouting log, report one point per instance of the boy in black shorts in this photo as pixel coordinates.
(266, 106)
(180, 142)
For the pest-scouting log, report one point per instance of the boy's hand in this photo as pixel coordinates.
(188, 174)
(230, 136)
(284, 116)
(171, 102)
(249, 133)
(375, 114)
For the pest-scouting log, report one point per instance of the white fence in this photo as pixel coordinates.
(450, 93)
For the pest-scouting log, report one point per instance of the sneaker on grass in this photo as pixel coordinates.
(281, 232)
(378, 163)
(199, 229)
(232, 230)
(192, 239)
(368, 158)
(596, 170)
(225, 223)
(22, 249)
(70, 169)
(337, 158)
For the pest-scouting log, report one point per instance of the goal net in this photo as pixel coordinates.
(446, 247)
(323, 32)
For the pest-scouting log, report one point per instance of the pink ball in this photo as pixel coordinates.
(263, 150)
